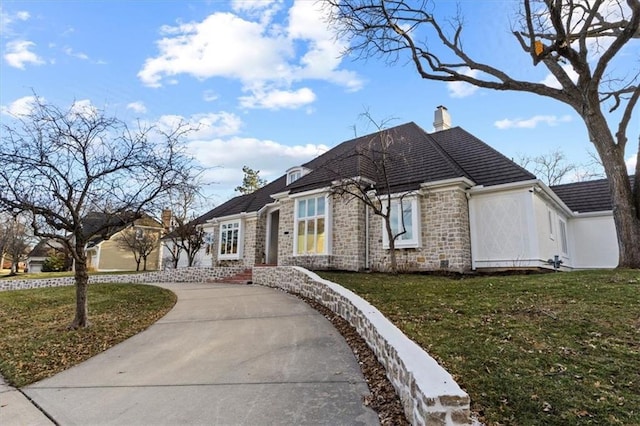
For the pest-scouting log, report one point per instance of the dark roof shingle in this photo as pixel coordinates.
(589, 196)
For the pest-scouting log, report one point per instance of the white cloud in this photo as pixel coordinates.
(137, 107)
(6, 19)
(84, 107)
(209, 96)
(530, 123)
(551, 81)
(271, 158)
(211, 125)
(459, 89)
(278, 99)
(19, 107)
(18, 54)
(70, 52)
(253, 49)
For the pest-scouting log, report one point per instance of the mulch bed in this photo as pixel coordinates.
(383, 398)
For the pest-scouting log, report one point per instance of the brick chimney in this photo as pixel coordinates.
(441, 119)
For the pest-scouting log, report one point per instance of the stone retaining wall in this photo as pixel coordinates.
(180, 275)
(428, 393)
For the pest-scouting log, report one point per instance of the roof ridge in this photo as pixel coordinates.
(444, 152)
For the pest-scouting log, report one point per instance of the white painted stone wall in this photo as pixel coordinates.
(181, 275)
(428, 393)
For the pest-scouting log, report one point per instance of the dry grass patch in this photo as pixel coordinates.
(547, 349)
(34, 340)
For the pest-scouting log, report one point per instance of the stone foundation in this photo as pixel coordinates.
(180, 275)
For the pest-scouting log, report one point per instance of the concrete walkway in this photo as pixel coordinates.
(225, 355)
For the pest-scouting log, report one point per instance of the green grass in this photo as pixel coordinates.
(546, 349)
(34, 341)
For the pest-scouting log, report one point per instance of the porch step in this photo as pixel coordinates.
(244, 277)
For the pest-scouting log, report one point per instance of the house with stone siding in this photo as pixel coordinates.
(456, 205)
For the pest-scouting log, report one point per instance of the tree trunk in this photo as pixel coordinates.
(137, 265)
(144, 263)
(81, 319)
(625, 212)
(392, 244)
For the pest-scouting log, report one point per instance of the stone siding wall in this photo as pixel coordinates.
(428, 393)
(180, 275)
(348, 232)
(445, 236)
(285, 232)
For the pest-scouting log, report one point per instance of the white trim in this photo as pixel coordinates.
(460, 182)
(310, 193)
(280, 195)
(326, 250)
(238, 254)
(416, 222)
(232, 217)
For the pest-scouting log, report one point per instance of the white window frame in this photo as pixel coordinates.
(401, 242)
(293, 176)
(306, 218)
(238, 254)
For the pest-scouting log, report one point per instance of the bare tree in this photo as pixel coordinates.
(551, 167)
(15, 240)
(66, 164)
(567, 37)
(141, 242)
(374, 187)
(185, 233)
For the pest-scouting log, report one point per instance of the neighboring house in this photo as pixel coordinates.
(106, 252)
(43, 250)
(465, 207)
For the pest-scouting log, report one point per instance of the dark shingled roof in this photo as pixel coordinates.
(589, 196)
(416, 157)
(242, 203)
(482, 164)
(44, 248)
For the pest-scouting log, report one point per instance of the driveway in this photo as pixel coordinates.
(224, 355)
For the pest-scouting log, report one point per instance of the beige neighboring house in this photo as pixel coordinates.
(107, 253)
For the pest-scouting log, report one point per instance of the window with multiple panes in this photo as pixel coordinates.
(293, 176)
(229, 240)
(311, 226)
(403, 213)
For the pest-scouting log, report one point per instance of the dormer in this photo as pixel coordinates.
(295, 173)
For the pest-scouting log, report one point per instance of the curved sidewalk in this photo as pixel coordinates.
(224, 355)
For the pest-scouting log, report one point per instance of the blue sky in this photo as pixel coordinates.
(264, 79)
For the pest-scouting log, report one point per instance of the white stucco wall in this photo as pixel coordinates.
(502, 227)
(548, 216)
(202, 260)
(593, 241)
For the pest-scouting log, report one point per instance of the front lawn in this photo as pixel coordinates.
(545, 349)
(34, 341)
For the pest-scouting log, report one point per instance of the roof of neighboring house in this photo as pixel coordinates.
(589, 196)
(99, 226)
(43, 248)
